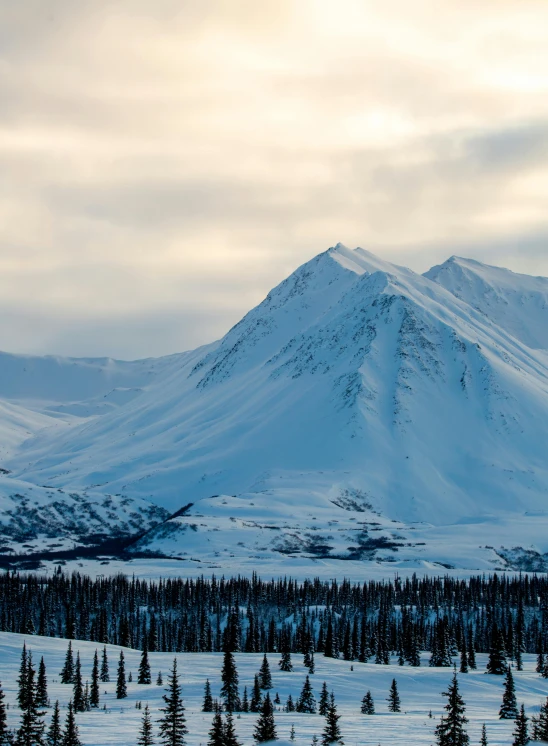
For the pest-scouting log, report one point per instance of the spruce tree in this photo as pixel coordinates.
(42, 685)
(145, 737)
(368, 706)
(394, 704)
(265, 728)
(121, 686)
(497, 654)
(23, 680)
(324, 700)
(217, 731)
(55, 735)
(292, 733)
(245, 701)
(471, 650)
(540, 724)
(306, 701)
(78, 700)
(4, 732)
(173, 723)
(70, 734)
(159, 679)
(230, 738)
(207, 705)
(31, 729)
(285, 663)
(143, 676)
(332, 731)
(483, 739)
(265, 678)
(229, 689)
(451, 728)
(256, 696)
(104, 675)
(67, 672)
(289, 705)
(521, 736)
(463, 657)
(94, 690)
(509, 708)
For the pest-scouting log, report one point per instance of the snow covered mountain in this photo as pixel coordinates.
(361, 412)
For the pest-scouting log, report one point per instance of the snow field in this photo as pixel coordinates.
(420, 691)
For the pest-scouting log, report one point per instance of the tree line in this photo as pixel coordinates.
(356, 621)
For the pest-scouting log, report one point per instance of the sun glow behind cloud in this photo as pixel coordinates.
(164, 164)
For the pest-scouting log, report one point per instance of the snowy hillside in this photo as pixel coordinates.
(361, 412)
(116, 722)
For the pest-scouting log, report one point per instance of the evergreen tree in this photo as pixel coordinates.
(145, 737)
(67, 672)
(451, 728)
(207, 705)
(173, 723)
(509, 708)
(245, 701)
(55, 736)
(289, 705)
(285, 663)
(540, 724)
(104, 675)
(230, 738)
(87, 703)
(4, 732)
(217, 731)
(159, 679)
(265, 678)
(143, 676)
(229, 689)
(256, 696)
(306, 701)
(265, 728)
(471, 650)
(483, 739)
(332, 731)
(31, 729)
(368, 706)
(121, 686)
(497, 654)
(324, 700)
(312, 664)
(78, 700)
(394, 704)
(70, 734)
(292, 733)
(94, 690)
(23, 680)
(42, 685)
(463, 657)
(521, 737)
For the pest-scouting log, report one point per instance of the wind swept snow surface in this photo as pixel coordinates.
(419, 688)
(360, 412)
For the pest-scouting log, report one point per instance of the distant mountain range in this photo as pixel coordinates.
(361, 413)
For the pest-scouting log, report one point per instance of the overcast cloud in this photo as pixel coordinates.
(164, 164)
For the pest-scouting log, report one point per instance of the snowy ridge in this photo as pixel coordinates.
(358, 406)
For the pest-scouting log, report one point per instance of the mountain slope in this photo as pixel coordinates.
(358, 394)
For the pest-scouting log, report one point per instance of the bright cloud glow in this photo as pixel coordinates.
(162, 165)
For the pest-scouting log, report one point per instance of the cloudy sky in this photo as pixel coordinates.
(163, 163)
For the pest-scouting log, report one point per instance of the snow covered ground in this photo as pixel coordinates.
(420, 691)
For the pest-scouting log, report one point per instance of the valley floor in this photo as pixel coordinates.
(420, 691)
